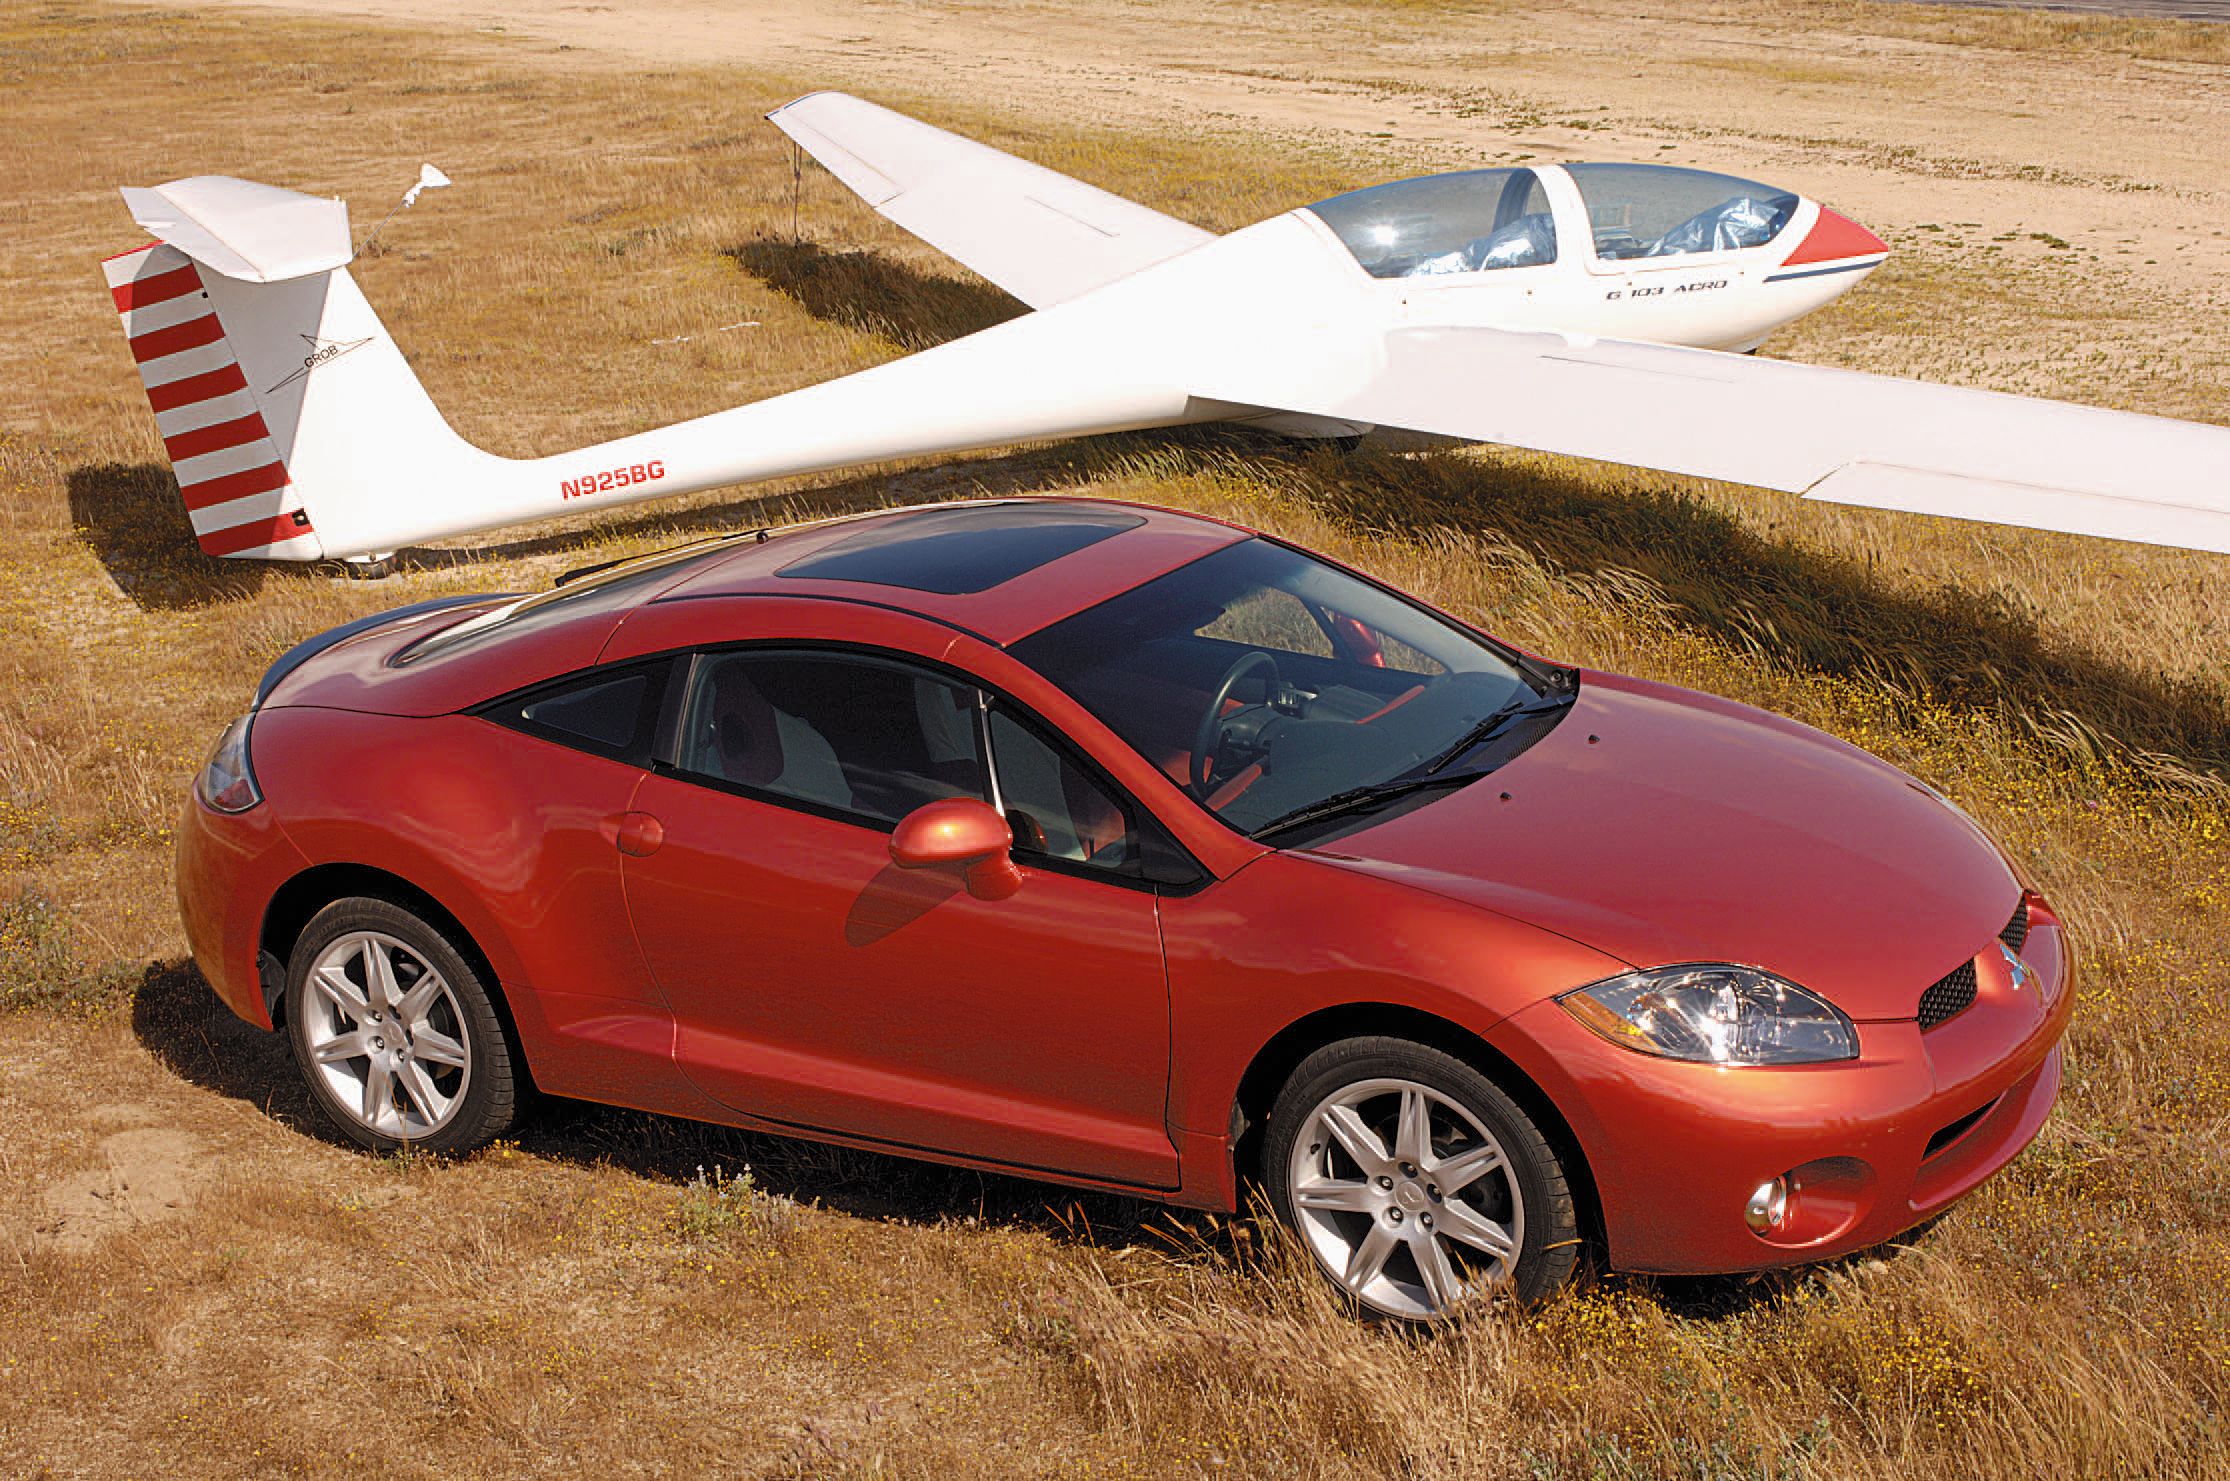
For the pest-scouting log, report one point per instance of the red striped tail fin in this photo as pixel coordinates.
(231, 473)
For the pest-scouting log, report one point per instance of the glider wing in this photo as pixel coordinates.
(1040, 235)
(1835, 435)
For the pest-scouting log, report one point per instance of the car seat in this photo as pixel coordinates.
(745, 739)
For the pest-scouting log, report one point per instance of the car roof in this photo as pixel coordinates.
(1000, 569)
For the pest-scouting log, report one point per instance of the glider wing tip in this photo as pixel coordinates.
(803, 98)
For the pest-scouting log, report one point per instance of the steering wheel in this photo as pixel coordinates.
(1206, 740)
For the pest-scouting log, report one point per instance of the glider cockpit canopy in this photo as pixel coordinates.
(1467, 222)
(1482, 220)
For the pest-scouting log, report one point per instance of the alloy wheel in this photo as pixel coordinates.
(385, 1036)
(1405, 1198)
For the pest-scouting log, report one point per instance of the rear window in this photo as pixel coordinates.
(957, 552)
(603, 714)
(599, 589)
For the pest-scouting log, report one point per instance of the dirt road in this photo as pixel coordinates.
(2179, 10)
(2138, 176)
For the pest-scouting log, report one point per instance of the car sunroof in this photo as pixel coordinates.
(955, 552)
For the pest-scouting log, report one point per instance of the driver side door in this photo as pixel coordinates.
(818, 985)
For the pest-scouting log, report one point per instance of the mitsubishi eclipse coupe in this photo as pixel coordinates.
(1134, 850)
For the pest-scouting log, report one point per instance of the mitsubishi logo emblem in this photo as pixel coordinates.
(2021, 970)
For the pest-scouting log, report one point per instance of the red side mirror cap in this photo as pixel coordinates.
(962, 833)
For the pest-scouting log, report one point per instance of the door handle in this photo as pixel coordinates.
(635, 834)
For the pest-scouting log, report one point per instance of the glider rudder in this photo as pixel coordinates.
(295, 426)
(230, 473)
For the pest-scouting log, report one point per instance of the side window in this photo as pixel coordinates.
(1056, 808)
(858, 735)
(611, 714)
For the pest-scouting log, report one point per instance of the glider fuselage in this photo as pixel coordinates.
(1649, 252)
(1130, 354)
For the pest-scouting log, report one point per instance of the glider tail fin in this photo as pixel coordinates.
(291, 419)
(231, 474)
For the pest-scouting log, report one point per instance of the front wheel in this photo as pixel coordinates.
(1415, 1182)
(395, 1033)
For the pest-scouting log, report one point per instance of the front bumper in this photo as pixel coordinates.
(229, 867)
(1875, 1145)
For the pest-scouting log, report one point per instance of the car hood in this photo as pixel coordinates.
(1659, 825)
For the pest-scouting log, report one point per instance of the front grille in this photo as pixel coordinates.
(1949, 997)
(1954, 994)
(2016, 932)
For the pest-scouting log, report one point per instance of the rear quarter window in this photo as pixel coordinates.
(610, 714)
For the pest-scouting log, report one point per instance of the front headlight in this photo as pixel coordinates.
(228, 783)
(1712, 1013)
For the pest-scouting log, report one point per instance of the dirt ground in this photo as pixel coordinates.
(196, 1277)
(1765, 91)
(2185, 10)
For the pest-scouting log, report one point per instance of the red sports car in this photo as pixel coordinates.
(1131, 849)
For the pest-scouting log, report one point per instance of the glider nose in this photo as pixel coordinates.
(1835, 237)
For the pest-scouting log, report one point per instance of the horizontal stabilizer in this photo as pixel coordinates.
(1836, 435)
(1040, 235)
(242, 230)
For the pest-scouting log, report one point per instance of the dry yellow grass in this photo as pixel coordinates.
(195, 1279)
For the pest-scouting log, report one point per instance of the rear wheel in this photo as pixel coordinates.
(395, 1033)
(1415, 1182)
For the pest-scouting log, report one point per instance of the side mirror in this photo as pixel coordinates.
(962, 833)
(1358, 642)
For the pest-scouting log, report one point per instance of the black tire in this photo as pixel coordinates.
(1548, 1250)
(492, 1088)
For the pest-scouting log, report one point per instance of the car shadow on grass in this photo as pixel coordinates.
(181, 1022)
(176, 1016)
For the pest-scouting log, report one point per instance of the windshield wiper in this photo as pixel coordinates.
(1487, 729)
(1434, 773)
(1354, 799)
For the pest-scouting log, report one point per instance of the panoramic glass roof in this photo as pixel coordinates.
(955, 552)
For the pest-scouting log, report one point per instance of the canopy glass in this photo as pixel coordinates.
(1474, 221)
(1667, 211)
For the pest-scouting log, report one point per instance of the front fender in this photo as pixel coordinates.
(1291, 936)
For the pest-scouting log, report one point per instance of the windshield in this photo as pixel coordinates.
(1669, 211)
(1469, 222)
(1267, 682)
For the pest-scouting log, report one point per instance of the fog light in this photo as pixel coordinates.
(1767, 1207)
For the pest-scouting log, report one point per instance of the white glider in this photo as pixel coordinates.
(1587, 309)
